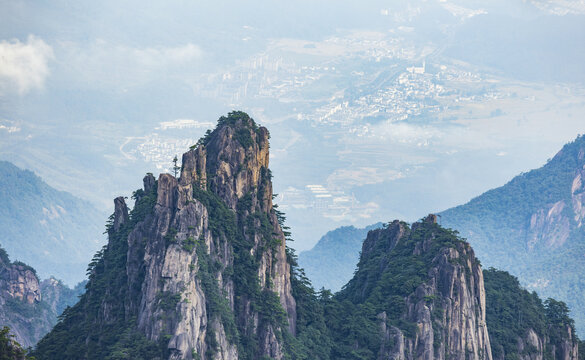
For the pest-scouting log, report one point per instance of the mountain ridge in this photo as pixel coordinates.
(334, 250)
(199, 264)
(28, 306)
(39, 225)
(533, 227)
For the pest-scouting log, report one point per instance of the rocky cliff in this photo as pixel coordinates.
(198, 269)
(20, 299)
(426, 287)
(533, 227)
(29, 307)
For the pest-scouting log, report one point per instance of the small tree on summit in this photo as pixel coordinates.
(176, 167)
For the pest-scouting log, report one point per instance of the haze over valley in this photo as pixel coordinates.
(377, 111)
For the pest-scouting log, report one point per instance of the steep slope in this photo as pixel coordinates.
(198, 269)
(417, 294)
(521, 326)
(533, 227)
(30, 308)
(51, 229)
(331, 262)
(10, 349)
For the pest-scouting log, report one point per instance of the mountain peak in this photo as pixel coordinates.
(426, 288)
(200, 263)
(231, 160)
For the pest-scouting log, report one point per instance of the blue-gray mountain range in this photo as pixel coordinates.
(533, 227)
(51, 230)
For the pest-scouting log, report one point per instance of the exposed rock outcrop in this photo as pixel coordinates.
(20, 296)
(532, 346)
(200, 261)
(21, 283)
(443, 317)
(235, 171)
(448, 308)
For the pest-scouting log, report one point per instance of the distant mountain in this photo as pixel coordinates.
(27, 306)
(51, 229)
(331, 262)
(534, 227)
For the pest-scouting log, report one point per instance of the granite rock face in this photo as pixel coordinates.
(20, 292)
(21, 283)
(204, 265)
(447, 308)
(532, 346)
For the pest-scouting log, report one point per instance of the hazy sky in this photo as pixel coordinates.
(95, 94)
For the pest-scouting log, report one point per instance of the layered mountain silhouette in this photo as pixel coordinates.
(53, 230)
(199, 269)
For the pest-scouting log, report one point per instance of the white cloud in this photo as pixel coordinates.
(24, 65)
(10, 129)
(352, 214)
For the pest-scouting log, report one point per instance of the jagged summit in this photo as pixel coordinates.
(199, 266)
(199, 269)
(231, 160)
(424, 287)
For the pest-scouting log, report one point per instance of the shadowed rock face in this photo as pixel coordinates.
(446, 309)
(205, 269)
(455, 285)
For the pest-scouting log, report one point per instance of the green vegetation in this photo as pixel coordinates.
(245, 127)
(216, 304)
(9, 348)
(236, 228)
(498, 225)
(4, 258)
(313, 340)
(387, 273)
(76, 335)
(396, 260)
(52, 230)
(510, 312)
(168, 301)
(176, 167)
(189, 244)
(513, 311)
(331, 262)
